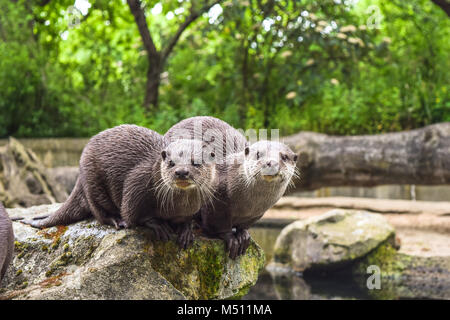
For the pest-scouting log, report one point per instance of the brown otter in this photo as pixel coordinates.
(256, 178)
(251, 179)
(130, 176)
(6, 241)
(215, 133)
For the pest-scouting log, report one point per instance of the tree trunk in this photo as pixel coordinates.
(419, 156)
(444, 5)
(152, 86)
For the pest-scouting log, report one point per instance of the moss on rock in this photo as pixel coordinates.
(203, 270)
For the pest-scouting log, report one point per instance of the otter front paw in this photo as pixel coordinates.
(231, 244)
(243, 237)
(117, 223)
(185, 236)
(161, 230)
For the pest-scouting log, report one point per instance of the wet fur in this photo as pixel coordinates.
(120, 184)
(241, 197)
(232, 140)
(246, 196)
(6, 241)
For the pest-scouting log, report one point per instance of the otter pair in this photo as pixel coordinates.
(251, 178)
(132, 176)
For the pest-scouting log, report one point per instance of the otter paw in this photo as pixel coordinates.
(231, 245)
(161, 230)
(185, 236)
(243, 237)
(118, 223)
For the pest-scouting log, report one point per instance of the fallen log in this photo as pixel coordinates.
(420, 156)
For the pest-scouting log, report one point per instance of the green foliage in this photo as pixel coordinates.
(292, 65)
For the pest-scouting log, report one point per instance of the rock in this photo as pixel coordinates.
(360, 247)
(331, 241)
(24, 181)
(403, 276)
(65, 176)
(87, 260)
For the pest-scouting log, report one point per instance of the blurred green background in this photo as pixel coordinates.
(73, 68)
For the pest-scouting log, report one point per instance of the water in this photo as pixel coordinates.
(292, 286)
(276, 285)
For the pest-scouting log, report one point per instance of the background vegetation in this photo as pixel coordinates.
(334, 66)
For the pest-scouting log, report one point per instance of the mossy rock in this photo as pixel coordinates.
(331, 241)
(404, 276)
(87, 260)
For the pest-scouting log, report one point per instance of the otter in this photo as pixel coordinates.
(251, 179)
(219, 136)
(130, 175)
(6, 241)
(256, 179)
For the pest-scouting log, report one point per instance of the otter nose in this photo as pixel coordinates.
(271, 168)
(182, 173)
(272, 163)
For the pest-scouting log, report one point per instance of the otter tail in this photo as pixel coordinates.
(73, 210)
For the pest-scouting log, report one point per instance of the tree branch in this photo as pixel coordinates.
(139, 17)
(191, 18)
(444, 5)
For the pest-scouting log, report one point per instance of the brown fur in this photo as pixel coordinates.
(207, 129)
(121, 183)
(247, 195)
(242, 195)
(6, 241)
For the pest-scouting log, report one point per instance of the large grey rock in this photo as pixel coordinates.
(90, 261)
(331, 240)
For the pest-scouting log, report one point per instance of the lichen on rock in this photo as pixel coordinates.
(332, 240)
(87, 260)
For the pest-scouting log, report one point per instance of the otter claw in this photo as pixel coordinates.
(118, 223)
(185, 237)
(243, 237)
(160, 230)
(231, 244)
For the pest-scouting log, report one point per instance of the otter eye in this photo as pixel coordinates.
(257, 155)
(171, 164)
(284, 157)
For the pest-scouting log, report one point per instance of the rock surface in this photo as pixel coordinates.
(332, 240)
(404, 276)
(90, 261)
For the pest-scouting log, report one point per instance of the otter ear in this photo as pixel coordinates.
(247, 151)
(164, 154)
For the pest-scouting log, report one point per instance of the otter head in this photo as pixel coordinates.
(270, 161)
(185, 167)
